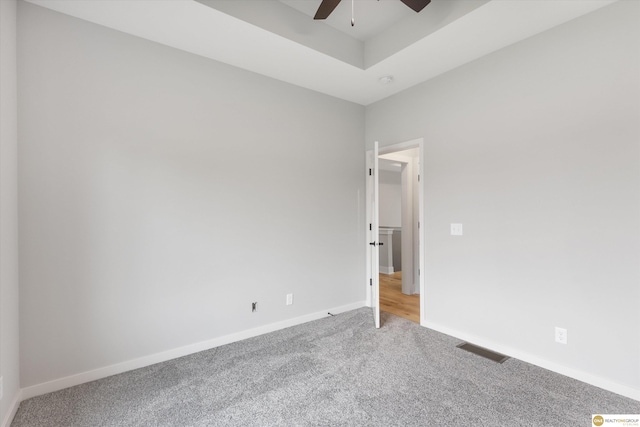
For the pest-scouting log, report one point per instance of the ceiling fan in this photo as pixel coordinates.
(327, 6)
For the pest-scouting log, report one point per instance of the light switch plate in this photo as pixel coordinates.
(456, 229)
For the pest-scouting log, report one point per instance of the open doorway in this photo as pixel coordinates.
(412, 253)
(398, 195)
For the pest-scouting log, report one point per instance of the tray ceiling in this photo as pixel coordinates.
(278, 38)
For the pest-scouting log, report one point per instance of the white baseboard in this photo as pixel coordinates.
(13, 408)
(107, 371)
(386, 270)
(585, 377)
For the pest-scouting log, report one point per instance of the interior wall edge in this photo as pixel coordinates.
(9, 280)
(13, 408)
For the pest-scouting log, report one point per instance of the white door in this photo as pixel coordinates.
(372, 232)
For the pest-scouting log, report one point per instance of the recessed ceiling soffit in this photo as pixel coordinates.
(390, 31)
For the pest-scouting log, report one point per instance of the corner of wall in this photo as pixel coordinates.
(12, 410)
(9, 333)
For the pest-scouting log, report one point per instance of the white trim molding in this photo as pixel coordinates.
(13, 408)
(576, 374)
(118, 368)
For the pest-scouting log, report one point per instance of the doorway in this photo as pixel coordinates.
(398, 210)
(398, 215)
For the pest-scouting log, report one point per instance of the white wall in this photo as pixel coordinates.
(390, 198)
(9, 356)
(161, 193)
(536, 150)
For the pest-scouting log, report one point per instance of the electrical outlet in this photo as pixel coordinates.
(254, 307)
(561, 335)
(456, 229)
(289, 299)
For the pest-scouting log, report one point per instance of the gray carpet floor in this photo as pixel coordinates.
(337, 371)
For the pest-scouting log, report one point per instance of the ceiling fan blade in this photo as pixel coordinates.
(325, 9)
(416, 5)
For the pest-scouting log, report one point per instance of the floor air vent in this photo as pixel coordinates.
(487, 354)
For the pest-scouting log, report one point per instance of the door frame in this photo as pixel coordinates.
(387, 149)
(372, 234)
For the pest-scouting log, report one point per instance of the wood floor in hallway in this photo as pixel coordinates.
(393, 301)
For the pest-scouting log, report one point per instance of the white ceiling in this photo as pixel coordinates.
(280, 40)
(371, 16)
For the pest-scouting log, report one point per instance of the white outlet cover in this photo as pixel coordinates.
(561, 335)
(456, 229)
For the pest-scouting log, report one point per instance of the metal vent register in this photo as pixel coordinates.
(480, 351)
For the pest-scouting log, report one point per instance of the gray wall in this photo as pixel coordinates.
(161, 193)
(9, 356)
(536, 150)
